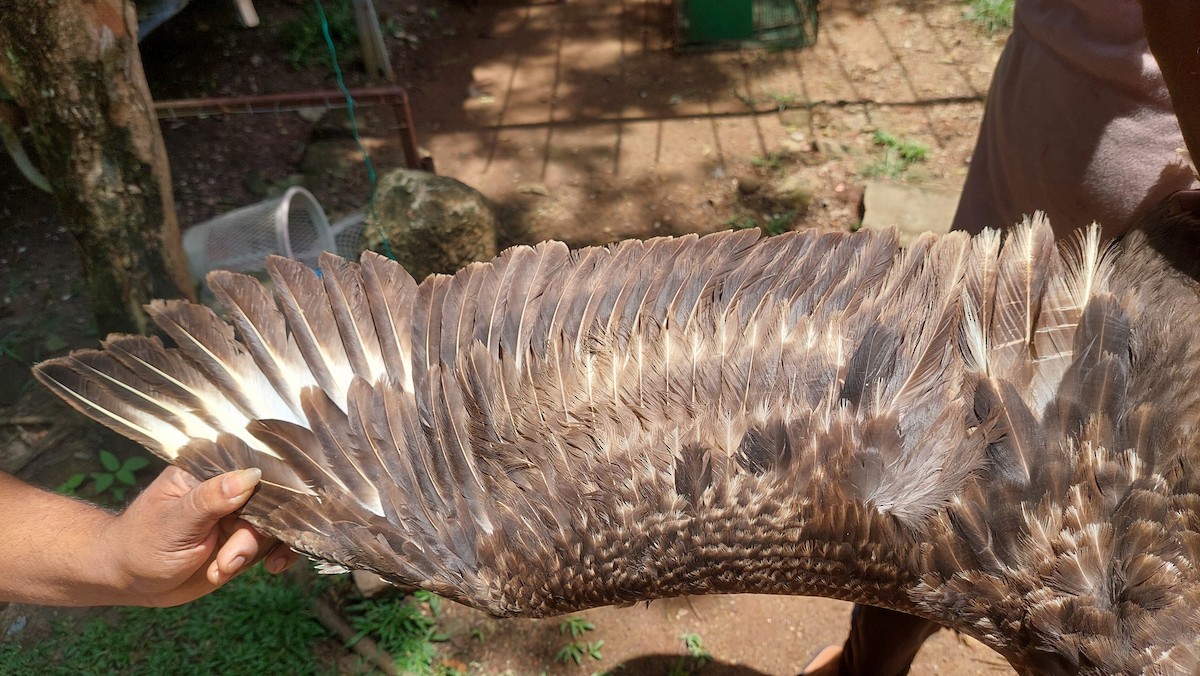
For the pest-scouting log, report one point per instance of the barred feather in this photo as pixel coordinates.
(995, 436)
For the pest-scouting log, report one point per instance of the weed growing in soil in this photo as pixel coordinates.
(255, 624)
(992, 16)
(576, 626)
(111, 483)
(304, 40)
(695, 648)
(898, 156)
(774, 162)
(697, 657)
(783, 100)
(258, 623)
(776, 224)
(576, 651)
(405, 628)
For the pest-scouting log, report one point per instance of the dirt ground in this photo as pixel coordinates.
(582, 124)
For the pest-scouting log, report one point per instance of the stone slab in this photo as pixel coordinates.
(912, 209)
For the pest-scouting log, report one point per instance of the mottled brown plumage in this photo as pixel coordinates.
(998, 437)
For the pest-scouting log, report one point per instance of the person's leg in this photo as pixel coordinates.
(881, 643)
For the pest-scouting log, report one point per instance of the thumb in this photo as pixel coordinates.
(202, 507)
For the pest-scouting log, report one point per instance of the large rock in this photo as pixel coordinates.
(430, 223)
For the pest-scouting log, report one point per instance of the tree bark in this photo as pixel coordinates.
(73, 66)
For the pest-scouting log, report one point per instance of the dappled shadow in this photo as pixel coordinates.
(587, 107)
(579, 119)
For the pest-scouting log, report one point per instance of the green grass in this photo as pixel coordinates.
(774, 162)
(991, 16)
(779, 223)
(255, 624)
(304, 40)
(403, 629)
(776, 224)
(899, 155)
(784, 100)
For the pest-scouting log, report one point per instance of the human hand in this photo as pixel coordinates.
(179, 541)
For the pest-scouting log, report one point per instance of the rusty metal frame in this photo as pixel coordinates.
(330, 99)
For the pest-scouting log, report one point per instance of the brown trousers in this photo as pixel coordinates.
(883, 642)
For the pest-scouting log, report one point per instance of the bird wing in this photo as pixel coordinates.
(925, 429)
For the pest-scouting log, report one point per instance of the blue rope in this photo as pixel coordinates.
(337, 71)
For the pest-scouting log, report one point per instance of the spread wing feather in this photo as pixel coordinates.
(264, 333)
(346, 291)
(965, 430)
(310, 319)
(389, 289)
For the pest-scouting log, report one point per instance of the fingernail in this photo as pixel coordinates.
(236, 564)
(236, 484)
(274, 563)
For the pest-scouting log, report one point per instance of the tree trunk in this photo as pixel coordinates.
(73, 66)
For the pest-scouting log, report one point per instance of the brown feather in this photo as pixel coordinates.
(998, 437)
(264, 332)
(390, 292)
(346, 291)
(310, 318)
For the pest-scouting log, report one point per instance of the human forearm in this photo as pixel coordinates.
(176, 542)
(56, 549)
(1173, 33)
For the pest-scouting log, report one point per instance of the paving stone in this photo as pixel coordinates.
(912, 209)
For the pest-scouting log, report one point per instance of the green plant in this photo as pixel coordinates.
(695, 648)
(9, 343)
(576, 651)
(776, 224)
(779, 223)
(697, 657)
(112, 482)
(402, 629)
(741, 221)
(991, 16)
(783, 101)
(256, 624)
(774, 162)
(899, 155)
(575, 625)
(304, 37)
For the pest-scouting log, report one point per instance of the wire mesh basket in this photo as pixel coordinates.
(292, 225)
(347, 233)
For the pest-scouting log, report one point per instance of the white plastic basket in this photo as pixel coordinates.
(346, 234)
(292, 225)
